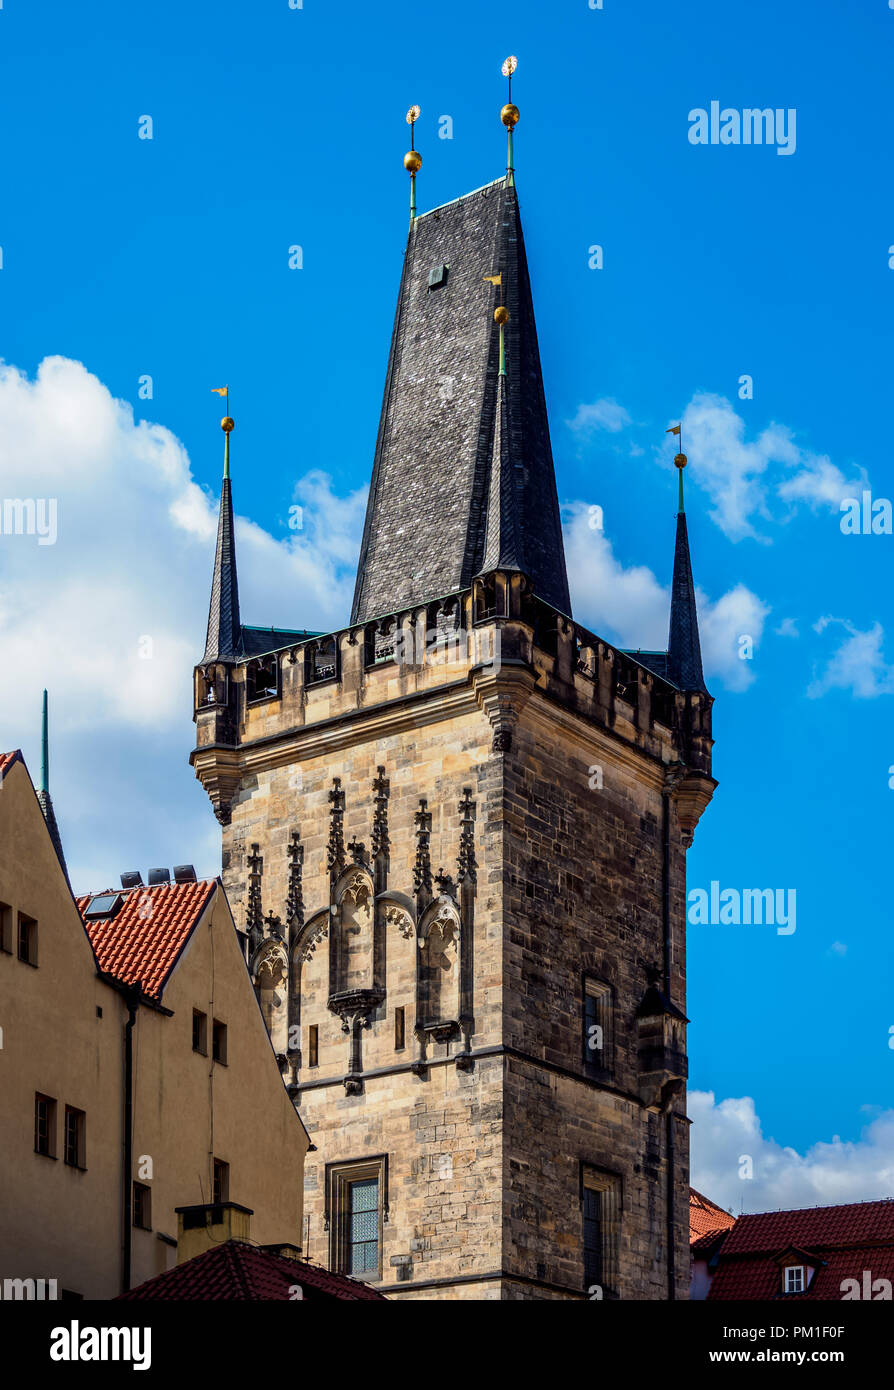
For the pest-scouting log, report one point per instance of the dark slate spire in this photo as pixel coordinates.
(43, 792)
(463, 473)
(224, 639)
(684, 657)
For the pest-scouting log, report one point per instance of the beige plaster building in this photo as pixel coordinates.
(136, 1074)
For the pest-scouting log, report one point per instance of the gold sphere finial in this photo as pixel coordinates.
(412, 161)
(680, 460)
(227, 424)
(501, 315)
(509, 115)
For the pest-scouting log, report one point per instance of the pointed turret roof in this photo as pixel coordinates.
(463, 477)
(43, 791)
(224, 638)
(684, 657)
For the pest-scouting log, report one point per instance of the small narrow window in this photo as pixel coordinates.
(6, 928)
(199, 1032)
(794, 1279)
(221, 1186)
(45, 1125)
(142, 1206)
(75, 1137)
(399, 1029)
(27, 939)
(601, 1226)
(357, 1206)
(313, 1045)
(597, 1039)
(219, 1042)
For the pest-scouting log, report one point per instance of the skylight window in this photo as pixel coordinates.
(104, 905)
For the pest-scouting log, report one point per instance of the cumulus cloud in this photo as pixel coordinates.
(111, 618)
(629, 605)
(857, 665)
(605, 414)
(787, 628)
(829, 1172)
(744, 478)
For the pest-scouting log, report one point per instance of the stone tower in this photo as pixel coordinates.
(455, 834)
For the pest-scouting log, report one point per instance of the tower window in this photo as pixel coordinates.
(199, 1032)
(45, 1125)
(219, 1042)
(357, 1208)
(313, 1045)
(75, 1137)
(262, 680)
(601, 1205)
(438, 276)
(597, 1026)
(399, 1029)
(27, 939)
(221, 1183)
(142, 1206)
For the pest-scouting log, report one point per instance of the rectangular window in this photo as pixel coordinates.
(597, 1039)
(313, 1045)
(27, 939)
(142, 1206)
(399, 1029)
(794, 1279)
(601, 1202)
(219, 1041)
(221, 1186)
(75, 1137)
(357, 1204)
(6, 928)
(45, 1125)
(199, 1032)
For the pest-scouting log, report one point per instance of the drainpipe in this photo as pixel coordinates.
(669, 1144)
(131, 999)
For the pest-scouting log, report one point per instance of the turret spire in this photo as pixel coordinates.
(224, 637)
(43, 793)
(684, 657)
(413, 159)
(509, 116)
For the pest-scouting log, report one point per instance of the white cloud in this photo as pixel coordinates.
(838, 948)
(787, 628)
(632, 608)
(742, 477)
(605, 414)
(829, 1172)
(132, 561)
(858, 665)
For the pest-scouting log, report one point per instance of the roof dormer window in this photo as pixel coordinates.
(794, 1279)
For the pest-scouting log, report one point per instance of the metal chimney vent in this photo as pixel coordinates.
(157, 876)
(132, 879)
(184, 873)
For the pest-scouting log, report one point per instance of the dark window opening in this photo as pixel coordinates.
(320, 661)
(219, 1042)
(27, 939)
(221, 1184)
(313, 1045)
(6, 928)
(399, 1029)
(142, 1206)
(262, 679)
(45, 1125)
(601, 1199)
(597, 1039)
(199, 1032)
(75, 1137)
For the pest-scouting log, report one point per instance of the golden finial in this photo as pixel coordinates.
(680, 460)
(227, 424)
(412, 158)
(509, 114)
(501, 315)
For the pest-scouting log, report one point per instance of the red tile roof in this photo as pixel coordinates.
(844, 1241)
(234, 1270)
(7, 760)
(142, 943)
(705, 1217)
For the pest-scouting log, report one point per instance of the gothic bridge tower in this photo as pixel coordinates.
(454, 833)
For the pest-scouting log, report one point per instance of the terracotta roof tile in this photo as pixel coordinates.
(705, 1217)
(235, 1270)
(816, 1228)
(7, 760)
(143, 941)
(759, 1276)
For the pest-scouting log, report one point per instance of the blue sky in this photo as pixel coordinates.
(275, 127)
